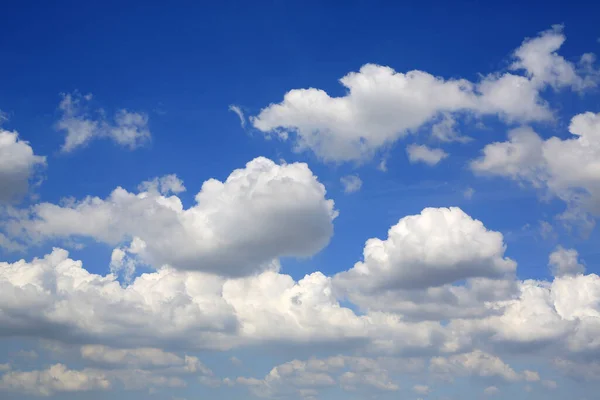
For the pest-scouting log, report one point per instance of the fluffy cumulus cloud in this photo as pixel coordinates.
(194, 292)
(55, 297)
(565, 168)
(436, 247)
(128, 129)
(307, 379)
(18, 164)
(565, 262)
(383, 105)
(55, 379)
(125, 328)
(58, 380)
(236, 227)
(475, 363)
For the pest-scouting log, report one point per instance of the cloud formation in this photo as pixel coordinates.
(18, 164)
(564, 168)
(236, 227)
(128, 129)
(383, 105)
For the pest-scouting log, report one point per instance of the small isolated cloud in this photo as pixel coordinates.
(128, 129)
(468, 193)
(351, 183)
(240, 114)
(421, 153)
(547, 230)
(491, 391)
(235, 361)
(421, 389)
(531, 376)
(549, 384)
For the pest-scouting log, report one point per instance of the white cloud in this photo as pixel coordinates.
(421, 153)
(531, 376)
(351, 183)
(382, 105)
(238, 111)
(421, 389)
(56, 379)
(121, 261)
(18, 164)
(167, 184)
(305, 379)
(129, 129)
(563, 314)
(564, 262)
(445, 130)
(198, 310)
(10, 245)
(549, 384)
(538, 57)
(142, 357)
(476, 363)
(236, 227)
(440, 265)
(437, 247)
(468, 193)
(564, 168)
(491, 391)
(417, 271)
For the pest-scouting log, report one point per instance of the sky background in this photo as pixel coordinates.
(178, 69)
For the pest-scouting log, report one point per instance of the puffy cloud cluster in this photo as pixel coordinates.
(55, 297)
(305, 379)
(565, 168)
(565, 262)
(382, 105)
(475, 363)
(236, 227)
(437, 247)
(438, 286)
(18, 164)
(129, 129)
(57, 378)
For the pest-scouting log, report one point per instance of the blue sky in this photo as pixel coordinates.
(282, 173)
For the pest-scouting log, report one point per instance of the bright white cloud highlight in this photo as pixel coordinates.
(436, 247)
